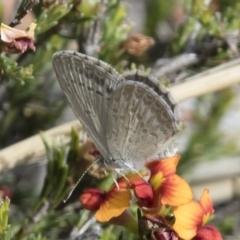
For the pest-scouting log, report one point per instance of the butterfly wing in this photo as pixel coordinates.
(136, 75)
(141, 121)
(88, 84)
(158, 87)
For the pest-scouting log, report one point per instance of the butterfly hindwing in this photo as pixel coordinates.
(141, 122)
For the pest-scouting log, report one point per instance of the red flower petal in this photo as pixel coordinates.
(143, 191)
(5, 192)
(208, 233)
(92, 198)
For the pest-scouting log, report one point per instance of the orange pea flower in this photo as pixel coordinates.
(112, 203)
(160, 198)
(168, 187)
(17, 41)
(191, 217)
(92, 198)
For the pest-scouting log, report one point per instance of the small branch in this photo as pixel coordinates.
(24, 8)
(32, 148)
(92, 33)
(164, 67)
(86, 226)
(212, 80)
(90, 230)
(42, 212)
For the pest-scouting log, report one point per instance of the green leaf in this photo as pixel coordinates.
(50, 17)
(11, 70)
(115, 32)
(57, 173)
(4, 211)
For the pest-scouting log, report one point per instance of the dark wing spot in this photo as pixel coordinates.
(99, 93)
(81, 84)
(144, 130)
(154, 134)
(90, 89)
(88, 112)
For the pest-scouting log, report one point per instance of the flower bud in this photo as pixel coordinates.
(137, 44)
(5, 192)
(143, 191)
(92, 198)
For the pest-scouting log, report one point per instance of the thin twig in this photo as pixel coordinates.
(171, 65)
(90, 230)
(42, 212)
(24, 8)
(86, 226)
(212, 80)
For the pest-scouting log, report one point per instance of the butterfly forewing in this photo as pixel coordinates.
(88, 84)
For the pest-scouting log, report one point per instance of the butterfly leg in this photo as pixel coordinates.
(115, 181)
(119, 171)
(132, 169)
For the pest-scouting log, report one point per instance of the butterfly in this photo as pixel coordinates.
(130, 117)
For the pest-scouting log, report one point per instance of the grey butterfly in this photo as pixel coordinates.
(129, 117)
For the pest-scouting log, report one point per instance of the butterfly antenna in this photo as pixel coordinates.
(79, 180)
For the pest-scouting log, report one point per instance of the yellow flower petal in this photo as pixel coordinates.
(167, 166)
(188, 218)
(9, 34)
(17, 41)
(175, 191)
(156, 181)
(206, 204)
(116, 202)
